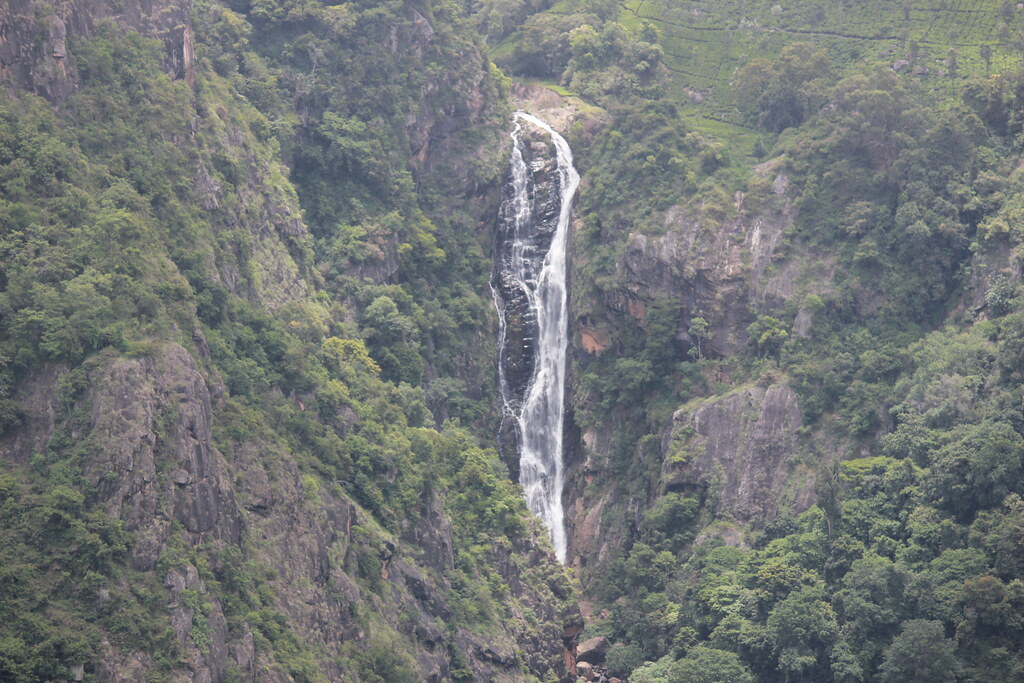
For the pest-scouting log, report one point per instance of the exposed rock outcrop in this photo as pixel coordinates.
(738, 451)
(994, 273)
(47, 67)
(711, 268)
(558, 111)
(593, 650)
(157, 466)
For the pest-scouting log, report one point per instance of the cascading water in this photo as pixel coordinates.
(529, 288)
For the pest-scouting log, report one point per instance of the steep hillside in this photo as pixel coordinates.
(226, 385)
(793, 382)
(248, 405)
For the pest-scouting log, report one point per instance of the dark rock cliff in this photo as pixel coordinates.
(35, 37)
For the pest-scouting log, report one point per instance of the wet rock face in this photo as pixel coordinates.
(519, 351)
(736, 449)
(36, 38)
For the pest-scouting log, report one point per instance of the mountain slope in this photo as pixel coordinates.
(211, 468)
(793, 376)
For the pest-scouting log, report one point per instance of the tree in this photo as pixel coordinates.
(999, 295)
(662, 328)
(767, 334)
(1002, 536)
(827, 487)
(977, 468)
(803, 627)
(986, 54)
(393, 339)
(780, 94)
(870, 603)
(701, 665)
(653, 672)
(780, 107)
(699, 329)
(383, 323)
(844, 665)
(921, 653)
(706, 665)
(667, 524)
(623, 659)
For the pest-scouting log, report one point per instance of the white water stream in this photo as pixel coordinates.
(540, 420)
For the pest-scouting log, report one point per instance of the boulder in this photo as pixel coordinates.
(592, 651)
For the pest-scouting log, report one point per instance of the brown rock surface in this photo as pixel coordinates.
(737, 448)
(593, 650)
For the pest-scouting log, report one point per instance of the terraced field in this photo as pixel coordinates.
(705, 42)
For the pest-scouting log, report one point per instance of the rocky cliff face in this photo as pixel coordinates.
(35, 39)
(158, 470)
(739, 454)
(722, 263)
(726, 260)
(152, 419)
(434, 127)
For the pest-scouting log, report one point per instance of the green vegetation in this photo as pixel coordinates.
(305, 220)
(144, 212)
(904, 177)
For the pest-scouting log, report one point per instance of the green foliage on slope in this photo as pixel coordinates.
(351, 93)
(144, 213)
(908, 387)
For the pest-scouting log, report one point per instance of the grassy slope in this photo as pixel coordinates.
(706, 43)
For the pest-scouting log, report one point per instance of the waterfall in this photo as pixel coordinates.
(529, 289)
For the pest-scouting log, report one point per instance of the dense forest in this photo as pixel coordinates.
(249, 413)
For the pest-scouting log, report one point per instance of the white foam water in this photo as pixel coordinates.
(540, 419)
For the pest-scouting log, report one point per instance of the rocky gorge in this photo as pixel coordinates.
(268, 339)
